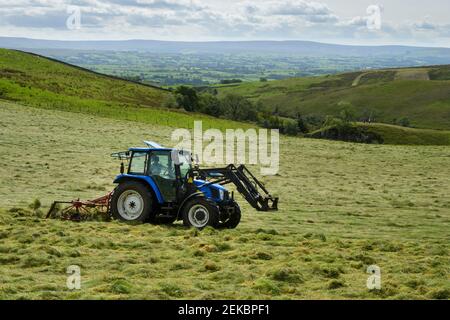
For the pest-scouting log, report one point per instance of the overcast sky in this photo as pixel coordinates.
(413, 22)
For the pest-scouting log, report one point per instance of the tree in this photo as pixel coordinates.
(171, 102)
(269, 121)
(238, 108)
(291, 128)
(347, 114)
(187, 98)
(210, 104)
(301, 125)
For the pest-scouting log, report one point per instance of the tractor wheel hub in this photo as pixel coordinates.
(130, 205)
(198, 216)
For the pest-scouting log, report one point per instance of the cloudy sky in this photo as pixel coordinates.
(413, 22)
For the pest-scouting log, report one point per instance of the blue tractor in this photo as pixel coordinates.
(161, 185)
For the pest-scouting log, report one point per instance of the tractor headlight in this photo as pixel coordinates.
(221, 194)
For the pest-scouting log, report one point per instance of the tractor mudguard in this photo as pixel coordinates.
(148, 181)
(190, 197)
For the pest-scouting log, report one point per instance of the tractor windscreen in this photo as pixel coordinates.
(185, 160)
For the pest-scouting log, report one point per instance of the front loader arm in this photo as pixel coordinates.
(246, 184)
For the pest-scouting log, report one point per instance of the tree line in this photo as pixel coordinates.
(236, 107)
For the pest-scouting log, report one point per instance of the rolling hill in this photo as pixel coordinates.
(46, 83)
(307, 48)
(420, 94)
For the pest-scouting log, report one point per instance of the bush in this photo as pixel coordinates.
(404, 122)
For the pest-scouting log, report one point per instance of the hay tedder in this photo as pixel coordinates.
(160, 185)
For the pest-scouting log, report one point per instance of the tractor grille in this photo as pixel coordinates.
(216, 194)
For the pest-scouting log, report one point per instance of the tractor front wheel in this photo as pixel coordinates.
(131, 202)
(230, 220)
(199, 213)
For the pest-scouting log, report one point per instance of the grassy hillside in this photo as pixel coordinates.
(48, 84)
(44, 83)
(343, 207)
(420, 94)
(28, 70)
(409, 136)
(386, 134)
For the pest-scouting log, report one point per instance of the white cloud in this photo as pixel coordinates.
(203, 20)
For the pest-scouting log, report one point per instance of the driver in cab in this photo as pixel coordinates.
(156, 167)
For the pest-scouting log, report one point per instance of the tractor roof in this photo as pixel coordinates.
(149, 149)
(151, 146)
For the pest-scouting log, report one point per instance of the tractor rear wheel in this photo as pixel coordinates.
(131, 202)
(199, 213)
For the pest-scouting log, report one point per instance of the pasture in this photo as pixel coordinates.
(343, 207)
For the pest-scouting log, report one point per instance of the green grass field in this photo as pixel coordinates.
(420, 94)
(343, 207)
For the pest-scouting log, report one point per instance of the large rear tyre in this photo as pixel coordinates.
(231, 220)
(199, 213)
(131, 202)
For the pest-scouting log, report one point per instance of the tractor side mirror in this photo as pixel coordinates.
(122, 168)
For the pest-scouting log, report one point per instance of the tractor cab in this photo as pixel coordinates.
(159, 166)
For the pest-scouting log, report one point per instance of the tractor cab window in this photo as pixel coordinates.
(161, 165)
(138, 163)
